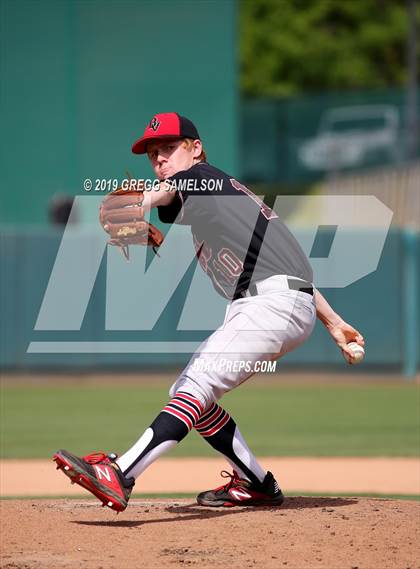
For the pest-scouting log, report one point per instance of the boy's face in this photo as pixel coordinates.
(170, 156)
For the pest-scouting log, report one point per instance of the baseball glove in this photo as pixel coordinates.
(122, 216)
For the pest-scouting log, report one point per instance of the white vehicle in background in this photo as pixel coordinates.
(348, 136)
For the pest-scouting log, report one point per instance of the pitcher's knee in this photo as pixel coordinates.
(203, 393)
(172, 390)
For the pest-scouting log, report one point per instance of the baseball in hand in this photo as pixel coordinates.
(357, 351)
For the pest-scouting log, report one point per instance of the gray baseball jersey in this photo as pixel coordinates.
(238, 238)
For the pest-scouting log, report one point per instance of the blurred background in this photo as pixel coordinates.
(291, 97)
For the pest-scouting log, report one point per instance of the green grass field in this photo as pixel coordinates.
(283, 420)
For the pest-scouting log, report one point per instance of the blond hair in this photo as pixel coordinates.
(188, 143)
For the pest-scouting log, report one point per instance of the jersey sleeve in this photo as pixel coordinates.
(170, 213)
(185, 207)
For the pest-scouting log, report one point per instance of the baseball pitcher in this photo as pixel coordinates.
(253, 261)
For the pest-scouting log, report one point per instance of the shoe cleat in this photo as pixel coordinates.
(98, 474)
(242, 492)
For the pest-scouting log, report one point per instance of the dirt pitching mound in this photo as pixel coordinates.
(333, 533)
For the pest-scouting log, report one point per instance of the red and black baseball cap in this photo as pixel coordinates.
(165, 125)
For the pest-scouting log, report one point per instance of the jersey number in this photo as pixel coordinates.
(225, 262)
(267, 212)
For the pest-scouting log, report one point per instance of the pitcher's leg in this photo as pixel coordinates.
(172, 424)
(110, 479)
(218, 428)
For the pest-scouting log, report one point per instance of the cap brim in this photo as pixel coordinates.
(140, 146)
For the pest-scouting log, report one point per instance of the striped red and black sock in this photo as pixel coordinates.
(212, 421)
(185, 407)
(172, 424)
(218, 428)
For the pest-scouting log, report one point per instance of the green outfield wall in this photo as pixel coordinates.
(81, 79)
(383, 305)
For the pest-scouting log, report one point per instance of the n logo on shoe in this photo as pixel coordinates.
(239, 494)
(102, 472)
